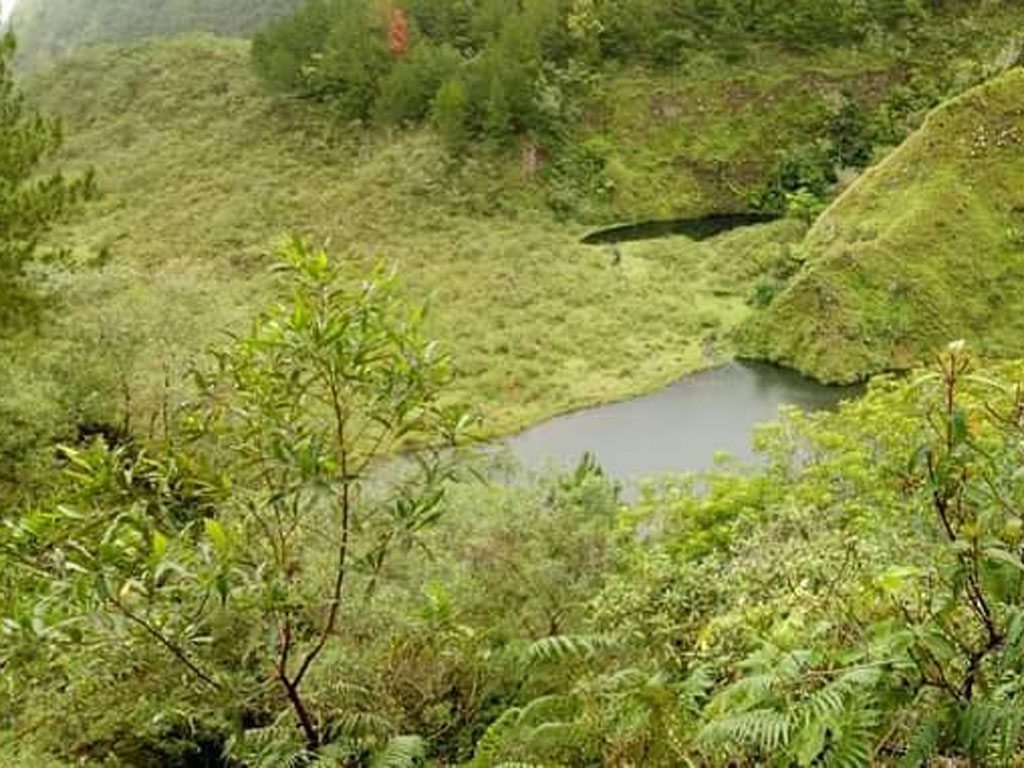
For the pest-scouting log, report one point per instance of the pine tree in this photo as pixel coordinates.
(31, 202)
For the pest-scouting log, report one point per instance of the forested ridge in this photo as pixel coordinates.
(270, 273)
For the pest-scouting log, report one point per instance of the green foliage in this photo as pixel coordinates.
(506, 49)
(30, 205)
(451, 110)
(337, 53)
(801, 179)
(811, 611)
(409, 90)
(291, 422)
(882, 286)
(875, 616)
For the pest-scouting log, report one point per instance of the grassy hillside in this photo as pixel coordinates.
(700, 140)
(202, 176)
(925, 248)
(49, 29)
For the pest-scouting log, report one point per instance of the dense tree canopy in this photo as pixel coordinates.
(519, 63)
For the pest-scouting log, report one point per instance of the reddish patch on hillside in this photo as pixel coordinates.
(398, 33)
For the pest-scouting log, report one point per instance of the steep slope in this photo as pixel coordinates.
(49, 29)
(925, 248)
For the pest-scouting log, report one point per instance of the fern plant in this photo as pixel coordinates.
(612, 714)
(788, 711)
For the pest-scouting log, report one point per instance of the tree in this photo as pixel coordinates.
(30, 203)
(451, 113)
(315, 398)
(244, 586)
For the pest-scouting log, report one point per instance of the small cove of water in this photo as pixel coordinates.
(679, 428)
(703, 228)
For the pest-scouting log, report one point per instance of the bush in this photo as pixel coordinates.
(409, 89)
(451, 113)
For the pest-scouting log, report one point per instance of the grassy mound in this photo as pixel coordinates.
(925, 248)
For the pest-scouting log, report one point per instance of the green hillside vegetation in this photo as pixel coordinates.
(927, 246)
(642, 108)
(855, 602)
(50, 29)
(201, 177)
(280, 288)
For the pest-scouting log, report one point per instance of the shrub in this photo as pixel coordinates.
(409, 89)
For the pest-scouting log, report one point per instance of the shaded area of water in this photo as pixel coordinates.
(696, 229)
(679, 428)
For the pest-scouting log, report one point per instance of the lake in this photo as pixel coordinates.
(679, 428)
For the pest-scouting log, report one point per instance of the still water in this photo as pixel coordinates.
(679, 428)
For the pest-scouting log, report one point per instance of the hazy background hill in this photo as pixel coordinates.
(49, 29)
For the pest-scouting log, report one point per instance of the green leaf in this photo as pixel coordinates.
(809, 742)
(1002, 556)
(159, 546)
(217, 536)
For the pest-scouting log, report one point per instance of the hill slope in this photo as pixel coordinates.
(202, 174)
(925, 248)
(49, 29)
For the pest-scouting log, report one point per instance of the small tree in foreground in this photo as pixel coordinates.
(245, 590)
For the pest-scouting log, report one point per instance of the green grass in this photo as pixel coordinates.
(203, 175)
(924, 249)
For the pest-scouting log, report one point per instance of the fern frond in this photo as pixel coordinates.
(924, 744)
(299, 759)
(852, 737)
(695, 689)
(747, 692)
(765, 729)
(545, 708)
(859, 678)
(824, 703)
(489, 746)
(349, 694)
(360, 725)
(622, 680)
(560, 647)
(551, 736)
(401, 752)
(990, 731)
(1010, 739)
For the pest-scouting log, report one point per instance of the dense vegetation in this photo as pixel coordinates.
(925, 246)
(241, 523)
(497, 68)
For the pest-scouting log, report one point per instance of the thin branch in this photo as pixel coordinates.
(157, 635)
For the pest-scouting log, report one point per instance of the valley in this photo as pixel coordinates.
(736, 285)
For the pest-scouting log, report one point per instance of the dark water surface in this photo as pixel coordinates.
(697, 229)
(679, 428)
